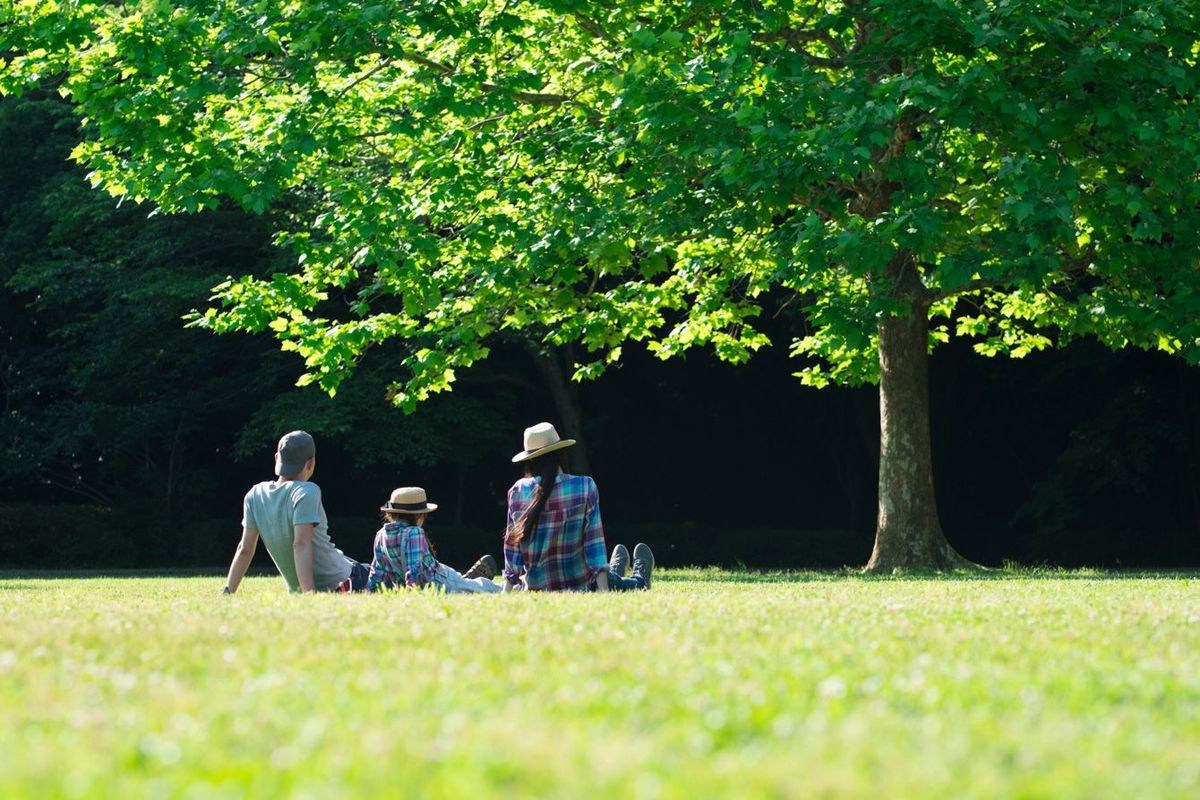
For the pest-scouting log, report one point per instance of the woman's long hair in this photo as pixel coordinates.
(546, 467)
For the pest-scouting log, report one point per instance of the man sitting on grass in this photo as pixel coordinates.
(288, 515)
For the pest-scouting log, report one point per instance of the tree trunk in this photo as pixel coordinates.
(908, 534)
(566, 401)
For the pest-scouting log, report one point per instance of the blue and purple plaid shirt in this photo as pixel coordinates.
(402, 557)
(567, 548)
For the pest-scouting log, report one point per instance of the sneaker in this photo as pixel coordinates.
(483, 568)
(643, 563)
(619, 561)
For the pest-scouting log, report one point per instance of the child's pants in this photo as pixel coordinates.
(451, 580)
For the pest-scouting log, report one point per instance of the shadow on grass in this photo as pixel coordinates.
(743, 575)
(101, 574)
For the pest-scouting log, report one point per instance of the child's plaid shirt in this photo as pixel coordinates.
(402, 556)
(567, 549)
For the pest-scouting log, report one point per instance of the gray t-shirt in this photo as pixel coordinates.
(273, 508)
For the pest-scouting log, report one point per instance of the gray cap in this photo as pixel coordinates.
(295, 449)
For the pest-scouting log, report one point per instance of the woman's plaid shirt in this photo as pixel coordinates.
(567, 549)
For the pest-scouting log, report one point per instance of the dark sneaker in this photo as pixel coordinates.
(483, 568)
(643, 563)
(619, 561)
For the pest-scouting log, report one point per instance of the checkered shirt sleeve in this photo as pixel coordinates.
(420, 563)
(387, 565)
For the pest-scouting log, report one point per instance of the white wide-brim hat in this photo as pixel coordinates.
(409, 500)
(539, 439)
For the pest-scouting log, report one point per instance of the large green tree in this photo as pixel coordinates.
(659, 172)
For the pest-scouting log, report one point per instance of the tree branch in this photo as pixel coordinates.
(904, 132)
(797, 38)
(970, 288)
(1071, 265)
(76, 486)
(425, 62)
(532, 98)
(486, 121)
(811, 198)
(594, 28)
(383, 64)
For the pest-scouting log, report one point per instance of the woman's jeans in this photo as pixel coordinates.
(619, 584)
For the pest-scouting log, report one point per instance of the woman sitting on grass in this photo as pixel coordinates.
(554, 539)
(403, 556)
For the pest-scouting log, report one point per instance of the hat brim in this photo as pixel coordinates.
(525, 455)
(428, 507)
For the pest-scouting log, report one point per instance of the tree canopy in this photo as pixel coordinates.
(659, 172)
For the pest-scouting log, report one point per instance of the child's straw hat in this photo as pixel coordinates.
(409, 500)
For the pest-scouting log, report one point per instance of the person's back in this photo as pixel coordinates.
(566, 547)
(287, 514)
(553, 538)
(274, 508)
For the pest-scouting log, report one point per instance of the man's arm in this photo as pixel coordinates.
(241, 559)
(302, 553)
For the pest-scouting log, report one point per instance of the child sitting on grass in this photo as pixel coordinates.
(403, 556)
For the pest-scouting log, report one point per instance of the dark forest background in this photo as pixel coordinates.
(128, 440)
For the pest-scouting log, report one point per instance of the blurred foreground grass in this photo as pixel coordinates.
(714, 684)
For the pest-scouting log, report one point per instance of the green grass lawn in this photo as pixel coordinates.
(714, 684)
